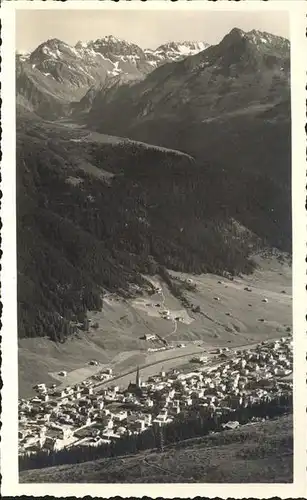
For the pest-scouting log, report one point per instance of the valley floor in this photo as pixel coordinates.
(229, 315)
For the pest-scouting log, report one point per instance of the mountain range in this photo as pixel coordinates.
(219, 95)
(56, 73)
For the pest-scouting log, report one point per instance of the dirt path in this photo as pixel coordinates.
(162, 469)
(175, 323)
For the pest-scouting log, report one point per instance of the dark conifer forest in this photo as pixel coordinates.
(96, 216)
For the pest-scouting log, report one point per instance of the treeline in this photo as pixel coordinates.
(194, 424)
(79, 234)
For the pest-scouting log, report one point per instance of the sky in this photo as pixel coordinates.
(145, 28)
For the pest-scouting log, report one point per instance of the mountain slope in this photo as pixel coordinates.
(96, 212)
(262, 452)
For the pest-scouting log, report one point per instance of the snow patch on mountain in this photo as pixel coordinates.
(71, 71)
(174, 51)
(110, 50)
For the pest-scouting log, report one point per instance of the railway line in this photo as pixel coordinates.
(161, 362)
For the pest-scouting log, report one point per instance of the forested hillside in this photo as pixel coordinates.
(95, 215)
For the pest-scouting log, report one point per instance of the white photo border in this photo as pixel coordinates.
(9, 447)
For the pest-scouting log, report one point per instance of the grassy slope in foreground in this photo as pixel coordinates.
(260, 452)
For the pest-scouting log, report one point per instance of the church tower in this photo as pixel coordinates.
(138, 378)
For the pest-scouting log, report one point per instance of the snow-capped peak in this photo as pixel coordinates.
(251, 46)
(81, 45)
(55, 43)
(184, 48)
(257, 37)
(51, 49)
(22, 55)
(113, 39)
(174, 51)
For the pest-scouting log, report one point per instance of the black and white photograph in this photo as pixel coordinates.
(154, 246)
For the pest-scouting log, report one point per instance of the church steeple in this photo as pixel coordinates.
(138, 378)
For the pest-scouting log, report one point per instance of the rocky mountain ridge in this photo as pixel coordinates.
(235, 94)
(243, 70)
(57, 73)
